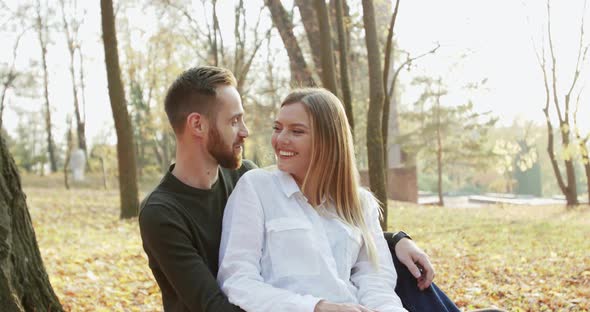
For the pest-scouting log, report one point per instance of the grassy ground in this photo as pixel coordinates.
(518, 258)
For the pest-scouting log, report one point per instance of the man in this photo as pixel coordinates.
(180, 220)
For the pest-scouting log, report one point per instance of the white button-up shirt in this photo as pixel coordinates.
(278, 253)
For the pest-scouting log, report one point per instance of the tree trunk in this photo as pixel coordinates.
(41, 32)
(374, 137)
(70, 35)
(69, 143)
(439, 153)
(328, 73)
(389, 101)
(300, 73)
(125, 146)
(344, 76)
(310, 24)
(24, 284)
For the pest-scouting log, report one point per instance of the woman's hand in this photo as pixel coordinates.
(326, 306)
(416, 261)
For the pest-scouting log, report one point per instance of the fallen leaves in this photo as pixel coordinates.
(516, 258)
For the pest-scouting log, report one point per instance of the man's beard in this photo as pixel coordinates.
(223, 152)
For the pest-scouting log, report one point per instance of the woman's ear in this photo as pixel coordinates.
(197, 124)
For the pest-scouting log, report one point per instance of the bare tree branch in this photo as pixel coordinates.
(408, 61)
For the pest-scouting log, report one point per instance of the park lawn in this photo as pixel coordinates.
(518, 258)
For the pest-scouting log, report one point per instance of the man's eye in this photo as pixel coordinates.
(276, 128)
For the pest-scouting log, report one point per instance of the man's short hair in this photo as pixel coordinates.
(195, 91)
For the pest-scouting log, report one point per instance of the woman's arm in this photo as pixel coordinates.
(376, 286)
(242, 241)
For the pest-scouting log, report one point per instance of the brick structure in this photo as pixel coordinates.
(402, 183)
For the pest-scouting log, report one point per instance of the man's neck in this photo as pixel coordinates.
(196, 169)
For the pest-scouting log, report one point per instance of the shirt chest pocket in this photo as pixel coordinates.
(291, 248)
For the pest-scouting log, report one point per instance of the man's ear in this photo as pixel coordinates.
(197, 124)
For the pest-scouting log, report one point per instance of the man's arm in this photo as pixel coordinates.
(414, 258)
(166, 241)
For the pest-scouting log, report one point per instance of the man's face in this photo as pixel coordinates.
(228, 131)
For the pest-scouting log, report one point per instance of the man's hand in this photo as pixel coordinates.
(416, 261)
(326, 306)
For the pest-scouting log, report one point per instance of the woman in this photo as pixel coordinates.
(305, 236)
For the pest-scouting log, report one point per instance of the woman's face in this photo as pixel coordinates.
(291, 140)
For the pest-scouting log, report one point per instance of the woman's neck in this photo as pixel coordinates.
(309, 190)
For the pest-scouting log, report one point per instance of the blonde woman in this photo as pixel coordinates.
(306, 236)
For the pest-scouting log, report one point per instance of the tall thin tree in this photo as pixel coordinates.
(309, 19)
(344, 75)
(328, 73)
(374, 117)
(71, 27)
(43, 33)
(125, 146)
(562, 109)
(300, 73)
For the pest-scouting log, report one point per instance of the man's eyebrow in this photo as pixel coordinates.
(237, 115)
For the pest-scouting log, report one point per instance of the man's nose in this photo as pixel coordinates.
(244, 132)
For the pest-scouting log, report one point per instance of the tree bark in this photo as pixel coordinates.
(310, 24)
(24, 284)
(300, 73)
(125, 146)
(388, 102)
(344, 76)
(328, 73)
(374, 117)
(42, 33)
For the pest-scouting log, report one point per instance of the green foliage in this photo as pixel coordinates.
(29, 151)
(458, 133)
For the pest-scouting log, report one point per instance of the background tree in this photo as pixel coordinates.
(9, 75)
(24, 284)
(42, 28)
(583, 145)
(310, 23)
(562, 109)
(343, 52)
(446, 136)
(125, 146)
(328, 73)
(71, 24)
(300, 73)
(374, 137)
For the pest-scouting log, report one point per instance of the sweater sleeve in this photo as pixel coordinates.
(376, 285)
(167, 243)
(242, 241)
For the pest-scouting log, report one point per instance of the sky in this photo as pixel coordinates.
(490, 40)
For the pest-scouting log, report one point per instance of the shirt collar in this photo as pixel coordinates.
(290, 187)
(287, 183)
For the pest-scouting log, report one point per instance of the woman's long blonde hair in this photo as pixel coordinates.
(332, 165)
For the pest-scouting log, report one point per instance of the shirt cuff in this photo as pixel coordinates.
(309, 303)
